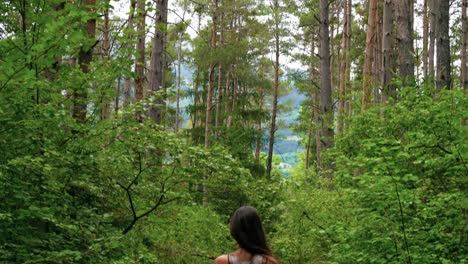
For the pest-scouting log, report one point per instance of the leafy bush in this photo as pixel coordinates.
(399, 188)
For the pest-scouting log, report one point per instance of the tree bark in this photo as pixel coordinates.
(219, 96)
(344, 64)
(157, 61)
(275, 92)
(127, 81)
(405, 41)
(117, 95)
(425, 40)
(443, 78)
(326, 106)
(179, 62)
(464, 48)
(258, 140)
(314, 102)
(226, 95)
(105, 49)
(85, 57)
(209, 96)
(433, 13)
(369, 53)
(377, 66)
(140, 58)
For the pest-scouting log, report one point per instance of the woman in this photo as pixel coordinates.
(246, 228)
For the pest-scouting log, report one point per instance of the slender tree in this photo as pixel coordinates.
(219, 95)
(140, 58)
(271, 143)
(179, 62)
(85, 57)
(425, 39)
(326, 106)
(211, 81)
(344, 65)
(157, 60)
(105, 53)
(387, 49)
(433, 14)
(464, 48)
(405, 40)
(443, 77)
(371, 42)
(127, 80)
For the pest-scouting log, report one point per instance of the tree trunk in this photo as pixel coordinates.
(433, 13)
(117, 95)
(464, 48)
(371, 38)
(127, 80)
(405, 41)
(314, 105)
(332, 53)
(443, 46)
(209, 96)
(219, 96)
(85, 57)
(105, 50)
(157, 61)
(140, 56)
(425, 40)
(377, 67)
(258, 140)
(179, 62)
(344, 64)
(52, 73)
(275, 93)
(326, 106)
(348, 88)
(196, 83)
(226, 95)
(235, 77)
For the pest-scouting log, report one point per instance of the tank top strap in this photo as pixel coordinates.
(257, 259)
(233, 259)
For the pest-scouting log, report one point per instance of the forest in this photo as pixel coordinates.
(130, 131)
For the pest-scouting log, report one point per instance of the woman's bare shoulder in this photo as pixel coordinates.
(270, 260)
(223, 259)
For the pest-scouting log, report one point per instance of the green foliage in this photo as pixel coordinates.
(70, 189)
(404, 168)
(400, 189)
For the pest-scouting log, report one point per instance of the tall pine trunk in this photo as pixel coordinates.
(405, 41)
(219, 95)
(344, 64)
(271, 142)
(371, 38)
(105, 52)
(140, 59)
(433, 13)
(425, 39)
(326, 106)
(313, 105)
(443, 78)
(127, 81)
(80, 95)
(258, 139)
(157, 61)
(179, 62)
(464, 48)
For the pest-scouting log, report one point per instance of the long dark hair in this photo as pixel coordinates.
(246, 228)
